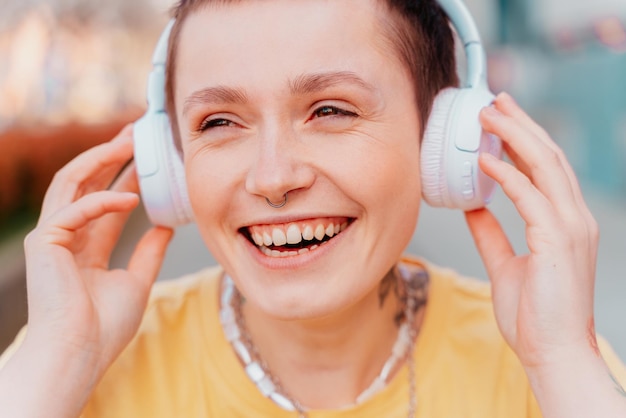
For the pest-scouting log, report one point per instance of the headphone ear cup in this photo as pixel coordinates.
(433, 154)
(160, 171)
(453, 140)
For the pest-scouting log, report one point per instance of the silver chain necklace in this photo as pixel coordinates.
(269, 385)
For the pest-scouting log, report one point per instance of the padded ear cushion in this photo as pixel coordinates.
(161, 173)
(433, 153)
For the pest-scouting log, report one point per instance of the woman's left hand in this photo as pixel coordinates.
(543, 300)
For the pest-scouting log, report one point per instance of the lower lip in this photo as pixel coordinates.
(295, 261)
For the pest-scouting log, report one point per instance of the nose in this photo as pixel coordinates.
(280, 166)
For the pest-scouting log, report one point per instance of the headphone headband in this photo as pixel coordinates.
(465, 27)
(159, 57)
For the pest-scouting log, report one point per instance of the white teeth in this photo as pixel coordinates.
(279, 237)
(267, 239)
(319, 232)
(307, 234)
(294, 236)
(258, 239)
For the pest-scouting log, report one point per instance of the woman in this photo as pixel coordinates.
(299, 126)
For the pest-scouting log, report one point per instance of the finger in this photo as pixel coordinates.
(60, 227)
(515, 159)
(92, 170)
(127, 180)
(109, 228)
(532, 205)
(498, 257)
(491, 241)
(149, 253)
(507, 105)
(543, 164)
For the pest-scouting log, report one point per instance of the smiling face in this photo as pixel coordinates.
(304, 98)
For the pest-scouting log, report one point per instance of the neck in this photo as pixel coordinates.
(326, 363)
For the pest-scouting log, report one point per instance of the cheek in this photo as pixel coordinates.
(209, 183)
(387, 176)
(389, 188)
(399, 195)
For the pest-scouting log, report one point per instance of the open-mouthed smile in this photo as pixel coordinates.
(295, 238)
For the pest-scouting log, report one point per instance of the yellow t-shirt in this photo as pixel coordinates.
(181, 365)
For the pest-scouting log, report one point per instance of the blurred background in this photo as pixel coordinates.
(73, 72)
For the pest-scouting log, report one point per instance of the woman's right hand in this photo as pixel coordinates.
(81, 313)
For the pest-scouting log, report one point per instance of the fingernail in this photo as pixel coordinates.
(491, 111)
(125, 133)
(507, 97)
(487, 156)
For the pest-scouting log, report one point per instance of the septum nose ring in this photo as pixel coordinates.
(277, 205)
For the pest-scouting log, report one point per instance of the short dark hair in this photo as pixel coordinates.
(418, 30)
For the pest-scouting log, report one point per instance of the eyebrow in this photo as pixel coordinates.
(312, 83)
(301, 85)
(216, 95)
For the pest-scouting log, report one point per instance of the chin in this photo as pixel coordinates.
(298, 297)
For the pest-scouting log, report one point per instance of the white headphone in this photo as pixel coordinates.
(452, 141)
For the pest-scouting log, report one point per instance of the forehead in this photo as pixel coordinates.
(243, 16)
(260, 39)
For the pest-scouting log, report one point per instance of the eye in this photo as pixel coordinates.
(327, 110)
(215, 123)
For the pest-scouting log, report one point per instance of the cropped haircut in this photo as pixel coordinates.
(418, 30)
